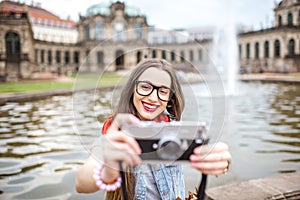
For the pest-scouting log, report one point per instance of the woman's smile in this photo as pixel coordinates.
(150, 107)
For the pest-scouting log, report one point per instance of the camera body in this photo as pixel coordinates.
(167, 141)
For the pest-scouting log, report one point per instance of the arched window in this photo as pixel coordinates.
(12, 41)
(277, 49)
(279, 20)
(256, 50)
(240, 51)
(292, 47)
(266, 48)
(247, 50)
(290, 19)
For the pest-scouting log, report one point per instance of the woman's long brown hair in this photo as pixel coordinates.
(125, 105)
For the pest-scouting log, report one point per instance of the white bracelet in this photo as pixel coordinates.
(101, 184)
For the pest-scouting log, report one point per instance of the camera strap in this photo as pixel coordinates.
(200, 192)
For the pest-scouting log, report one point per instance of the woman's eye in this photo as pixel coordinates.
(164, 91)
(146, 87)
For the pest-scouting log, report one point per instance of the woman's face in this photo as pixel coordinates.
(149, 107)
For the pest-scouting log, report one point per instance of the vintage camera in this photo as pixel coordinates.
(170, 141)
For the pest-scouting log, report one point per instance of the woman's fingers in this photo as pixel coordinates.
(120, 119)
(121, 137)
(211, 159)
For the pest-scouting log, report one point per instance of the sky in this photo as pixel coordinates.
(171, 14)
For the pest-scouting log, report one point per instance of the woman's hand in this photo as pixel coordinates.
(109, 149)
(211, 159)
(117, 146)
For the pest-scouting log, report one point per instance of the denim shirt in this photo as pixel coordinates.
(169, 180)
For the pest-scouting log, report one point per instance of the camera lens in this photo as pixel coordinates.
(170, 148)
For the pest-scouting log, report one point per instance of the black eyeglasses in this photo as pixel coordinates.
(145, 88)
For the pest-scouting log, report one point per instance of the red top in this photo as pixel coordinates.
(160, 118)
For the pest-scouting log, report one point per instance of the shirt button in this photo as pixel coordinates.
(166, 192)
(157, 167)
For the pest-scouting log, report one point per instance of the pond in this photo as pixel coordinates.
(43, 142)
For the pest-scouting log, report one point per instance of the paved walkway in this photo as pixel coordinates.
(271, 77)
(284, 186)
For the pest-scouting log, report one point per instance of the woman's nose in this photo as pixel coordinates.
(153, 96)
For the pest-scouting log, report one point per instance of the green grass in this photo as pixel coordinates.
(83, 80)
(33, 86)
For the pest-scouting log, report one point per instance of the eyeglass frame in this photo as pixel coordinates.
(154, 87)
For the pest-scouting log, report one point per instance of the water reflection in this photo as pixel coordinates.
(40, 146)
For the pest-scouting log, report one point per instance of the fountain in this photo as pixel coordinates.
(224, 50)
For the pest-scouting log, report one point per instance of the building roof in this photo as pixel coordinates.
(36, 13)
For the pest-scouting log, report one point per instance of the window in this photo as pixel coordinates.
(256, 50)
(200, 56)
(247, 50)
(49, 57)
(100, 56)
(138, 30)
(67, 57)
(57, 56)
(172, 56)
(138, 57)
(279, 20)
(266, 47)
(36, 52)
(240, 51)
(290, 19)
(153, 54)
(32, 20)
(76, 57)
(182, 56)
(42, 56)
(87, 32)
(277, 49)
(191, 55)
(99, 30)
(292, 47)
(163, 54)
(119, 31)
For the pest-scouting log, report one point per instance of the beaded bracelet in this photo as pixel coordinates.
(101, 184)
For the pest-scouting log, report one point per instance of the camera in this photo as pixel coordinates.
(170, 141)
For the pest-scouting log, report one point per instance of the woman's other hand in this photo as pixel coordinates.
(211, 159)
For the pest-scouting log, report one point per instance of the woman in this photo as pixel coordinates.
(152, 92)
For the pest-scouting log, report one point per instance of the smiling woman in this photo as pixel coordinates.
(151, 93)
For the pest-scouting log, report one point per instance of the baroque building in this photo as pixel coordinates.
(117, 36)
